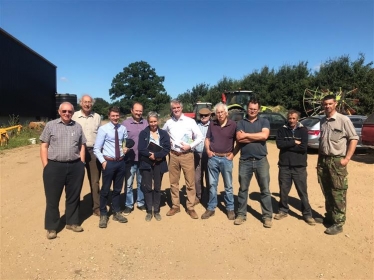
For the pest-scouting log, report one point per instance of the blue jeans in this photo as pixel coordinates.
(132, 170)
(221, 165)
(261, 170)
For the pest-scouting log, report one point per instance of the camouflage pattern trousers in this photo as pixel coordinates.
(332, 176)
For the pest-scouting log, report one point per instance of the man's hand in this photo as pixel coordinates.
(104, 165)
(344, 161)
(297, 142)
(185, 147)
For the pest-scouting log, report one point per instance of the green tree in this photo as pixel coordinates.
(138, 82)
(101, 107)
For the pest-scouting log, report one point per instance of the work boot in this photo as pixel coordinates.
(310, 221)
(192, 214)
(119, 217)
(148, 217)
(157, 216)
(207, 214)
(239, 220)
(268, 223)
(281, 215)
(334, 229)
(51, 234)
(231, 215)
(173, 211)
(74, 228)
(103, 221)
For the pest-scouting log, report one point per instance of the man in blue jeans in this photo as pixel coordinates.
(134, 125)
(219, 146)
(252, 133)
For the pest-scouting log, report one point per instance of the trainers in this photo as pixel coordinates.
(334, 229)
(126, 211)
(268, 223)
(51, 234)
(119, 217)
(142, 208)
(148, 217)
(192, 214)
(74, 228)
(207, 214)
(231, 215)
(157, 216)
(310, 221)
(239, 220)
(173, 211)
(281, 215)
(103, 221)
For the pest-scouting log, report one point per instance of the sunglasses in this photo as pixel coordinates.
(67, 111)
(204, 115)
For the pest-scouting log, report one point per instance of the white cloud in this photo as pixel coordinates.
(317, 67)
(64, 79)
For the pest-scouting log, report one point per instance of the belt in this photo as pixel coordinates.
(179, 153)
(69, 161)
(221, 154)
(113, 159)
(250, 159)
(331, 156)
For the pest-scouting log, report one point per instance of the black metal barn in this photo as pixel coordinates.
(27, 81)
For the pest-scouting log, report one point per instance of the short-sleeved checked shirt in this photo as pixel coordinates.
(64, 140)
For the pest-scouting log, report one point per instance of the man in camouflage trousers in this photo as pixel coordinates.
(337, 144)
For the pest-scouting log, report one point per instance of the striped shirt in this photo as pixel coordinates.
(204, 129)
(64, 140)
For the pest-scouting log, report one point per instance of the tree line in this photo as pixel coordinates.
(283, 87)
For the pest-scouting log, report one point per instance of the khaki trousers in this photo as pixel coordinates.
(183, 162)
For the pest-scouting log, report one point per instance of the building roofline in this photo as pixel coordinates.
(25, 46)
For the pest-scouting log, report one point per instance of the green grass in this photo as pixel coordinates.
(21, 139)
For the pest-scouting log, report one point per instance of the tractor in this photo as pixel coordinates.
(237, 102)
(196, 108)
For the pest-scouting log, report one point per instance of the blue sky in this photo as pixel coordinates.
(187, 41)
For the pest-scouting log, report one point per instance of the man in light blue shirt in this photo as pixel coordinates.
(108, 150)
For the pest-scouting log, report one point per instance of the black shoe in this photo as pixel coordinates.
(334, 229)
(119, 217)
(142, 208)
(126, 211)
(103, 221)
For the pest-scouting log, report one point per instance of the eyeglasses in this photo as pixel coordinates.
(204, 115)
(67, 111)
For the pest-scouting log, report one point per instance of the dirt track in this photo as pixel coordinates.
(179, 247)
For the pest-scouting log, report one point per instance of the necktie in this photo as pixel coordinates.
(116, 146)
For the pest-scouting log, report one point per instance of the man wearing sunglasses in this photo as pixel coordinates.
(62, 153)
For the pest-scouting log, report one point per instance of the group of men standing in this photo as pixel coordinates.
(76, 141)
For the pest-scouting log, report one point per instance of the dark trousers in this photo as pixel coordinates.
(93, 168)
(201, 173)
(152, 197)
(113, 172)
(298, 175)
(56, 176)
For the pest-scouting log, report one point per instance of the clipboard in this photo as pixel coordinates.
(154, 148)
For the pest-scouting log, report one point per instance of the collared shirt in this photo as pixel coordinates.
(184, 130)
(64, 140)
(255, 149)
(90, 125)
(204, 129)
(105, 141)
(222, 138)
(133, 130)
(335, 134)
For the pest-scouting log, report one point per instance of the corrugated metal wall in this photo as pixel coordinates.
(27, 81)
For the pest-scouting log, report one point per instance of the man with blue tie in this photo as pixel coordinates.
(108, 151)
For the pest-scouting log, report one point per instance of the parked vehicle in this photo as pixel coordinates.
(196, 108)
(313, 126)
(276, 121)
(367, 133)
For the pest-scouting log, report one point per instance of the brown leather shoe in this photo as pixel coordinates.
(231, 215)
(193, 214)
(173, 211)
(96, 212)
(207, 214)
